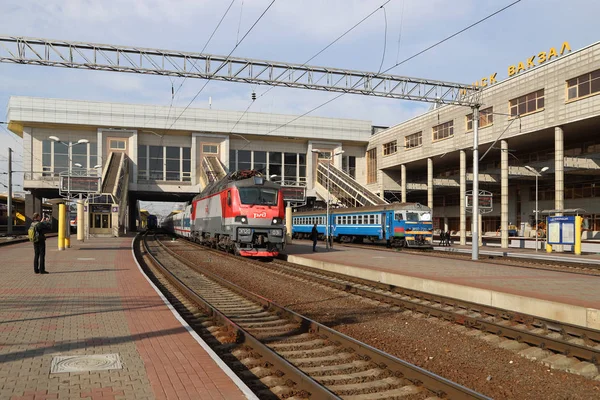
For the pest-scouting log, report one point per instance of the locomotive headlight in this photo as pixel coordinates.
(276, 221)
(276, 232)
(244, 231)
(241, 218)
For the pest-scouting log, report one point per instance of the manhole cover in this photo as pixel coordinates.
(95, 362)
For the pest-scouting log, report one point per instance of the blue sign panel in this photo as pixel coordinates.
(561, 230)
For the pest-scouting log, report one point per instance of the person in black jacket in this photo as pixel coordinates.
(39, 245)
(314, 235)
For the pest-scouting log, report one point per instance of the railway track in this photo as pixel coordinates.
(294, 357)
(560, 338)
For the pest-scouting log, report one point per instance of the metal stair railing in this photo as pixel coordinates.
(349, 192)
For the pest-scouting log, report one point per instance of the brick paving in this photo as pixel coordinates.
(95, 301)
(562, 287)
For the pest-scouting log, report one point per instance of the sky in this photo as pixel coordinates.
(290, 31)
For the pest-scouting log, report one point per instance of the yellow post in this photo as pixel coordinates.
(62, 217)
(548, 248)
(578, 222)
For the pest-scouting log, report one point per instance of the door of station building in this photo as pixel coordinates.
(100, 219)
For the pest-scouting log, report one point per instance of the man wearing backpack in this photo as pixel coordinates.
(38, 238)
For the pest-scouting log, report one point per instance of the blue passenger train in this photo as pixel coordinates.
(399, 224)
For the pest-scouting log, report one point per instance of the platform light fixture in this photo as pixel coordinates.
(329, 161)
(537, 175)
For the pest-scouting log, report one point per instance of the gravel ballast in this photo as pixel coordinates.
(445, 349)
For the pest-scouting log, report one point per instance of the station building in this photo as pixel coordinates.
(545, 114)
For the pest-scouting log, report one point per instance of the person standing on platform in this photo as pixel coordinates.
(37, 236)
(314, 235)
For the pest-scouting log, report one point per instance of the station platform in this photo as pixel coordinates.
(562, 296)
(96, 301)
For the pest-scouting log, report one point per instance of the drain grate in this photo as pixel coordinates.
(94, 362)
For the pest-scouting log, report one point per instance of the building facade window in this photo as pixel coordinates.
(486, 118)
(164, 163)
(58, 157)
(414, 140)
(349, 165)
(527, 104)
(275, 164)
(210, 149)
(117, 144)
(301, 167)
(232, 160)
(584, 85)
(390, 148)
(244, 160)
(372, 166)
(260, 161)
(443, 131)
(290, 169)
(142, 162)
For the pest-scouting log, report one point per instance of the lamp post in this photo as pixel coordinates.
(537, 175)
(64, 228)
(330, 160)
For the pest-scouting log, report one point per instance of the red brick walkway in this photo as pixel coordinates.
(96, 301)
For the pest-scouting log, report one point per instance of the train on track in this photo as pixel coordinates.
(151, 222)
(243, 213)
(399, 224)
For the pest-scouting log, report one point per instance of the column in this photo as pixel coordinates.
(445, 224)
(430, 183)
(62, 226)
(288, 224)
(133, 214)
(403, 182)
(463, 194)
(80, 220)
(504, 194)
(559, 181)
(33, 204)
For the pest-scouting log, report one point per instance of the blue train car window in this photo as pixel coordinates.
(398, 216)
(371, 219)
(354, 219)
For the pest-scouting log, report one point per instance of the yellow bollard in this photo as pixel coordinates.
(577, 247)
(548, 248)
(62, 217)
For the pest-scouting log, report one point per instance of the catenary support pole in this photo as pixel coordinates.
(403, 182)
(463, 194)
(9, 208)
(475, 219)
(504, 194)
(430, 183)
(288, 224)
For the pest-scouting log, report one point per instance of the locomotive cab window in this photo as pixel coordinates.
(229, 197)
(258, 196)
(399, 217)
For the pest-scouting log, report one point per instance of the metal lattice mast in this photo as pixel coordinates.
(103, 57)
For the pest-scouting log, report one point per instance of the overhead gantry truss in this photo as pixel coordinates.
(104, 57)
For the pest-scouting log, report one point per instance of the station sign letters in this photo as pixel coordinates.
(534, 60)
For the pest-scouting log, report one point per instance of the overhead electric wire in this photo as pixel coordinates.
(400, 33)
(397, 64)
(318, 53)
(194, 63)
(384, 40)
(225, 61)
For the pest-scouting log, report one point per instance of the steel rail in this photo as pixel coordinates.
(474, 315)
(302, 381)
(438, 385)
(478, 312)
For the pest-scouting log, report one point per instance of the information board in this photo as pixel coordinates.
(561, 230)
(80, 184)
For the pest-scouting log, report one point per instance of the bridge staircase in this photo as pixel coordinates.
(343, 188)
(115, 183)
(211, 170)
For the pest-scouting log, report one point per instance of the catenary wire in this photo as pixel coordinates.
(397, 64)
(226, 58)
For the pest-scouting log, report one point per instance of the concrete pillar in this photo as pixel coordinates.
(55, 218)
(463, 194)
(288, 224)
(445, 224)
(80, 221)
(33, 204)
(132, 214)
(480, 225)
(504, 194)
(559, 178)
(430, 183)
(403, 182)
